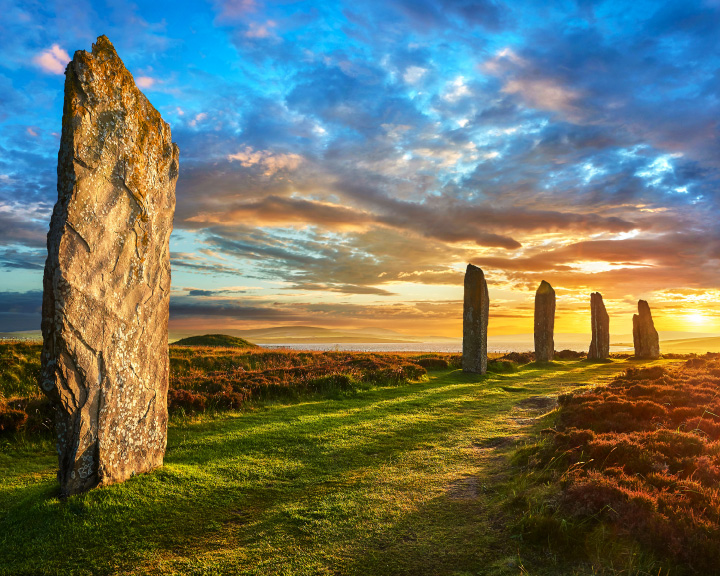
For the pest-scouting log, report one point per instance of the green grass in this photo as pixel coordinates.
(19, 369)
(215, 340)
(396, 480)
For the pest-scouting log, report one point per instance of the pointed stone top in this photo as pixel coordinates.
(545, 287)
(104, 46)
(643, 307)
(473, 268)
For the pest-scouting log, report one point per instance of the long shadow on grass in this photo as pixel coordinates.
(228, 466)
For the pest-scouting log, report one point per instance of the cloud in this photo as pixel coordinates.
(203, 265)
(20, 226)
(198, 119)
(53, 60)
(261, 30)
(20, 311)
(545, 94)
(270, 162)
(15, 259)
(229, 11)
(413, 74)
(145, 82)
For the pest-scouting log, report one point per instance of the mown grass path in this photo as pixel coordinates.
(391, 481)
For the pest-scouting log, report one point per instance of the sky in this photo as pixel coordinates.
(342, 162)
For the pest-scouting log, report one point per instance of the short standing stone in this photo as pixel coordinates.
(544, 323)
(600, 321)
(645, 337)
(475, 321)
(107, 276)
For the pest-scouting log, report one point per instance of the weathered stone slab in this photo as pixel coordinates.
(600, 321)
(475, 321)
(544, 323)
(107, 276)
(645, 337)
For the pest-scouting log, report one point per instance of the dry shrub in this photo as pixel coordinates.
(643, 455)
(520, 357)
(433, 363)
(270, 375)
(570, 355)
(215, 378)
(11, 420)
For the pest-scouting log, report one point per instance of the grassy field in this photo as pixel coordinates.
(407, 479)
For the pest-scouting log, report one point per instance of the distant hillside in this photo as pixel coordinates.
(314, 335)
(217, 340)
(685, 346)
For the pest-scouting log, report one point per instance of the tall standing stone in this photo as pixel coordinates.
(600, 321)
(544, 323)
(645, 337)
(476, 309)
(107, 276)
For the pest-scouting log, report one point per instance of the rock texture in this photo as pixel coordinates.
(600, 343)
(475, 321)
(107, 276)
(544, 323)
(645, 337)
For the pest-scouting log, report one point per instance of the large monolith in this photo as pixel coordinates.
(645, 337)
(475, 321)
(600, 321)
(544, 323)
(107, 276)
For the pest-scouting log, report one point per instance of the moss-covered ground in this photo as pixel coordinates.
(411, 479)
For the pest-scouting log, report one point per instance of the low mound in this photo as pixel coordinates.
(216, 340)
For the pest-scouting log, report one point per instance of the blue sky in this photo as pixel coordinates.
(341, 162)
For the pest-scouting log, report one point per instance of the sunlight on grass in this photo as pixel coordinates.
(389, 480)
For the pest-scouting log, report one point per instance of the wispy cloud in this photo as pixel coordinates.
(53, 60)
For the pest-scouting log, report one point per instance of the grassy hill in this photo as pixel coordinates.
(215, 340)
(405, 479)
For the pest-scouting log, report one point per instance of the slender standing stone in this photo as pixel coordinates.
(475, 321)
(107, 276)
(600, 343)
(544, 323)
(645, 337)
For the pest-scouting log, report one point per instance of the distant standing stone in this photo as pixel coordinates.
(475, 321)
(544, 323)
(107, 276)
(645, 337)
(600, 321)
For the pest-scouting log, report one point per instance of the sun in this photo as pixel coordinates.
(696, 318)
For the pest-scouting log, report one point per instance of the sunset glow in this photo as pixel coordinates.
(341, 163)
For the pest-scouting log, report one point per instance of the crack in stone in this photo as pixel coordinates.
(84, 242)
